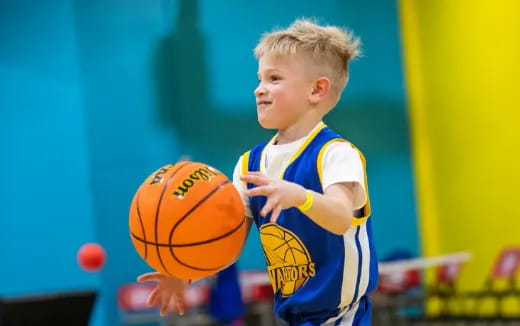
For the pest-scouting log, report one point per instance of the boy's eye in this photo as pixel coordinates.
(275, 78)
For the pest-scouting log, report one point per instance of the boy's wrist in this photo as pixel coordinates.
(301, 196)
(306, 204)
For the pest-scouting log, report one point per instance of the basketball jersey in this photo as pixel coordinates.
(317, 276)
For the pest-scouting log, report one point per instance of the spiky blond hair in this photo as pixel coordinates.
(330, 48)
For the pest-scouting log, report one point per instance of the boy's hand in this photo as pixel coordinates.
(280, 194)
(169, 292)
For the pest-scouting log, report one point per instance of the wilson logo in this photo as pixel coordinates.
(202, 174)
(158, 176)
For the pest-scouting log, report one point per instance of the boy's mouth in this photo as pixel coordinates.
(263, 102)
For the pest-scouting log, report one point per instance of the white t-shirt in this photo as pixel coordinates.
(341, 163)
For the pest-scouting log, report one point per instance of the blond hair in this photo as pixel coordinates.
(330, 47)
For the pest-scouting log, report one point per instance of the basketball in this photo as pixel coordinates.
(187, 220)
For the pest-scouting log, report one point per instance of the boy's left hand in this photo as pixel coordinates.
(280, 194)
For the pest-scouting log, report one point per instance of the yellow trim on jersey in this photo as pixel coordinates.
(245, 163)
(367, 210)
(262, 156)
(319, 162)
(302, 147)
(356, 221)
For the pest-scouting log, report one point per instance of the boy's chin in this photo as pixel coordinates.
(266, 124)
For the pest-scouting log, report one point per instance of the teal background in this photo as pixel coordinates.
(95, 95)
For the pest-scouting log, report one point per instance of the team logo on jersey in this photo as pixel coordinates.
(288, 261)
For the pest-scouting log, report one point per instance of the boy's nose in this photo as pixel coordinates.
(259, 91)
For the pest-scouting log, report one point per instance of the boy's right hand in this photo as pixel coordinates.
(169, 292)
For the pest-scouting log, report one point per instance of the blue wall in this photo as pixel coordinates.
(46, 200)
(95, 95)
(45, 195)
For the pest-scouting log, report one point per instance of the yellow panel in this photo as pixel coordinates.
(462, 70)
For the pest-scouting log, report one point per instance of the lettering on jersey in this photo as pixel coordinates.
(202, 174)
(284, 274)
(288, 261)
(158, 176)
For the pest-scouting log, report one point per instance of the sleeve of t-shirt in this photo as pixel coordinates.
(342, 163)
(241, 187)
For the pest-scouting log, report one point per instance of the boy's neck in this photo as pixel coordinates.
(296, 131)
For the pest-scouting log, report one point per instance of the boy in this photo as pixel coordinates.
(305, 189)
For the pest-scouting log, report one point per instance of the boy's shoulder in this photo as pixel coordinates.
(341, 143)
(327, 136)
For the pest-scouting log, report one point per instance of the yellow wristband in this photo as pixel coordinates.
(309, 199)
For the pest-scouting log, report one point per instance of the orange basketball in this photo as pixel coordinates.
(187, 220)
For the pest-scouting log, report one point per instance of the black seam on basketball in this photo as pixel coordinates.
(217, 238)
(166, 184)
(200, 202)
(191, 244)
(141, 223)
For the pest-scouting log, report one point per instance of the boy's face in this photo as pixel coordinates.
(283, 90)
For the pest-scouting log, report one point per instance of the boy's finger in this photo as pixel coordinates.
(172, 306)
(149, 277)
(164, 310)
(256, 173)
(164, 307)
(176, 305)
(180, 304)
(152, 297)
(258, 180)
(276, 213)
(259, 191)
(267, 207)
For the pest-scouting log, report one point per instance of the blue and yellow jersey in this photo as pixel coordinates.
(316, 275)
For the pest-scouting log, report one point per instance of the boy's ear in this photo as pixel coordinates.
(320, 89)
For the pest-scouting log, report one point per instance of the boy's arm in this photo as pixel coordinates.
(330, 209)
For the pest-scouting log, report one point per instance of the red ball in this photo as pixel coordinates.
(91, 257)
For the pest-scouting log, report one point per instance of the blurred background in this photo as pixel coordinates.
(96, 95)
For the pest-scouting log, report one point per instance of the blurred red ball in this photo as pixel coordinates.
(91, 257)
